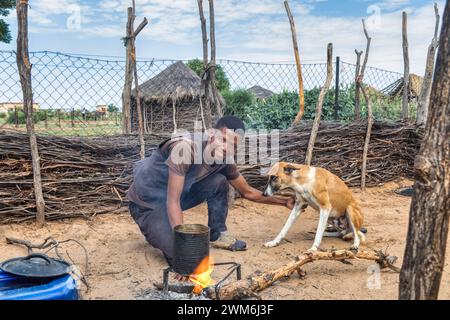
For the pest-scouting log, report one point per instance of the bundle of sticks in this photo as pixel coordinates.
(83, 177)
(339, 149)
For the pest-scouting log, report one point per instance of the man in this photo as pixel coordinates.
(184, 172)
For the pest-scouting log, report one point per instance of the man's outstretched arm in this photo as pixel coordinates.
(252, 194)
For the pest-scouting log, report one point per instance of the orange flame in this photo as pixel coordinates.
(202, 275)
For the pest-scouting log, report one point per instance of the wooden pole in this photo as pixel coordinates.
(336, 88)
(126, 93)
(212, 75)
(323, 92)
(368, 134)
(133, 59)
(205, 57)
(139, 109)
(357, 85)
(24, 67)
(246, 288)
(425, 92)
(405, 100)
(174, 116)
(204, 33)
(301, 111)
(424, 257)
(16, 117)
(205, 108)
(369, 109)
(366, 55)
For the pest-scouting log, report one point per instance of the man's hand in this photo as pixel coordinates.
(181, 278)
(252, 194)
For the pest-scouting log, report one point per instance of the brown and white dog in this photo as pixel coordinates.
(323, 191)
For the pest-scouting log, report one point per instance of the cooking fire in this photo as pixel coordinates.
(202, 279)
(202, 275)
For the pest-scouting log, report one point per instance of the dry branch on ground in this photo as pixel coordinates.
(250, 286)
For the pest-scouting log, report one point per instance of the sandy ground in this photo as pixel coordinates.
(122, 265)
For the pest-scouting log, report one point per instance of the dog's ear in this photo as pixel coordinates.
(289, 169)
(274, 170)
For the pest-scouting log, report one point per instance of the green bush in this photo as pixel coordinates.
(239, 103)
(14, 117)
(3, 115)
(276, 112)
(38, 116)
(222, 82)
(279, 110)
(112, 108)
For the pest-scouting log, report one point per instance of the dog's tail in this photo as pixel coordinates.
(356, 218)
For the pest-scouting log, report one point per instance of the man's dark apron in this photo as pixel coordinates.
(151, 177)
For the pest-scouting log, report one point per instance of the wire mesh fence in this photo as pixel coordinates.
(78, 95)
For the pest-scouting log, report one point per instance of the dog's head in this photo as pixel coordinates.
(281, 176)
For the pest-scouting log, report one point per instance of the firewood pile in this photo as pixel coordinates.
(339, 149)
(83, 177)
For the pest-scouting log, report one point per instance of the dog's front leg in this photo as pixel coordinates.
(290, 221)
(323, 220)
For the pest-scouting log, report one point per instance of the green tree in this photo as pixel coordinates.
(5, 34)
(222, 82)
(239, 103)
(112, 108)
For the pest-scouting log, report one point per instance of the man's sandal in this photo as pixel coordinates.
(228, 242)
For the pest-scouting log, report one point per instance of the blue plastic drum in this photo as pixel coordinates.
(23, 288)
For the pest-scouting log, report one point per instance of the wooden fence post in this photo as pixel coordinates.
(425, 91)
(357, 86)
(131, 72)
(405, 100)
(301, 95)
(207, 90)
(16, 117)
(24, 67)
(369, 108)
(424, 257)
(323, 92)
(126, 93)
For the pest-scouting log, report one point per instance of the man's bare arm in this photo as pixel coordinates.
(174, 190)
(252, 194)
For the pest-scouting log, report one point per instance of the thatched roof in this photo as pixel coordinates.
(175, 82)
(396, 89)
(260, 92)
(375, 92)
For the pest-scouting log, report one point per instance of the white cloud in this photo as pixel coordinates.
(250, 30)
(392, 4)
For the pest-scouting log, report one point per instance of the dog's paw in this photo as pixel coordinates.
(271, 244)
(312, 249)
(354, 249)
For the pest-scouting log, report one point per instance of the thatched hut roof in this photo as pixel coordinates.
(175, 82)
(396, 88)
(260, 92)
(373, 92)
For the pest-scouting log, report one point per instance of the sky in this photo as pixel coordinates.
(246, 30)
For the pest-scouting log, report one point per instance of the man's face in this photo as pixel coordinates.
(223, 144)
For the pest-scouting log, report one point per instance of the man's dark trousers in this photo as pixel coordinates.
(154, 223)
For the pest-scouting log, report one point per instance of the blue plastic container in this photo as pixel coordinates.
(22, 288)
